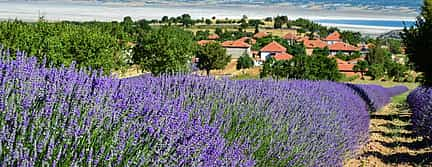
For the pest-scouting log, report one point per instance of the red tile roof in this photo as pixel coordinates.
(213, 37)
(235, 44)
(341, 46)
(273, 47)
(283, 56)
(335, 36)
(203, 42)
(261, 34)
(317, 43)
(290, 36)
(345, 67)
(340, 61)
(244, 39)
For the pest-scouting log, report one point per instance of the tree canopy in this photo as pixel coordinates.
(165, 50)
(245, 61)
(302, 67)
(418, 42)
(212, 56)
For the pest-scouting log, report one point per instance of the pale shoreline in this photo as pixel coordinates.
(55, 11)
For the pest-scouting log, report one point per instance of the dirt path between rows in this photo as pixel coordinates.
(392, 141)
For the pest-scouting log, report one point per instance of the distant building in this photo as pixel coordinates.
(237, 48)
(290, 38)
(247, 40)
(283, 56)
(342, 47)
(204, 42)
(261, 34)
(271, 49)
(213, 37)
(333, 38)
(310, 45)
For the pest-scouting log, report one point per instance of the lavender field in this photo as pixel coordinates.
(420, 102)
(67, 117)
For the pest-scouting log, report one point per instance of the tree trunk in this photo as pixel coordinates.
(208, 72)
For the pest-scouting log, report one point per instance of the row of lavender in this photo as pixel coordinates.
(377, 96)
(420, 102)
(64, 117)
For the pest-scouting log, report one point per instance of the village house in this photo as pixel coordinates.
(290, 38)
(261, 34)
(213, 37)
(247, 40)
(347, 70)
(204, 42)
(237, 48)
(310, 45)
(272, 49)
(343, 48)
(283, 56)
(333, 38)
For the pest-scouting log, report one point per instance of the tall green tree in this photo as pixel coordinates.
(361, 67)
(245, 61)
(378, 55)
(186, 20)
(418, 40)
(212, 56)
(165, 50)
(376, 71)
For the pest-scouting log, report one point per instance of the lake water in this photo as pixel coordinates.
(381, 23)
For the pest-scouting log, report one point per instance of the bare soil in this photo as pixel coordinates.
(393, 142)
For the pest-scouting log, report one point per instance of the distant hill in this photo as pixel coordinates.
(395, 34)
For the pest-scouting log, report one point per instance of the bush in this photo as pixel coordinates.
(420, 102)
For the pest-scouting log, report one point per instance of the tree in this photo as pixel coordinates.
(394, 46)
(396, 71)
(208, 21)
(255, 22)
(212, 56)
(164, 19)
(218, 31)
(361, 67)
(279, 21)
(350, 37)
(418, 40)
(245, 61)
(201, 35)
(268, 19)
(378, 55)
(323, 52)
(164, 50)
(302, 67)
(243, 24)
(376, 71)
(296, 49)
(186, 20)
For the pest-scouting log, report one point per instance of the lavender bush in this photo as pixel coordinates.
(397, 90)
(65, 117)
(375, 96)
(420, 102)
